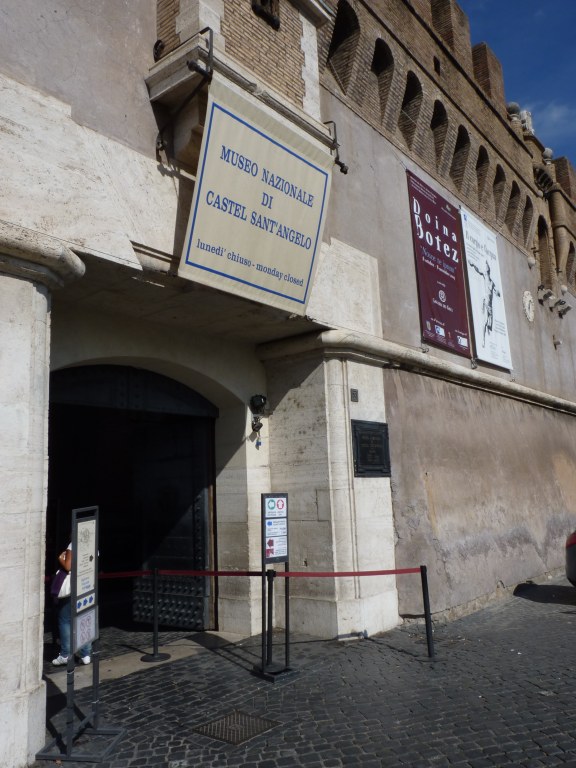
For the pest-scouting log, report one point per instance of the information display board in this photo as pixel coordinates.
(274, 528)
(371, 449)
(259, 204)
(84, 592)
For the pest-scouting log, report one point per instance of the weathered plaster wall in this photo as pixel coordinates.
(478, 489)
(346, 292)
(78, 185)
(483, 487)
(90, 54)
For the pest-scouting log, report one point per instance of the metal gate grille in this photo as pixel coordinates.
(182, 601)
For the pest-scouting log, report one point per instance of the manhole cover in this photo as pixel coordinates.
(236, 727)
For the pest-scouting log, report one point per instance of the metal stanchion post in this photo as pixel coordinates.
(155, 656)
(96, 684)
(70, 698)
(427, 614)
(287, 617)
(270, 579)
(263, 618)
(269, 670)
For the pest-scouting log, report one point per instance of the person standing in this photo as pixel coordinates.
(64, 609)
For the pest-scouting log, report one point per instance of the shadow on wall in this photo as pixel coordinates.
(556, 594)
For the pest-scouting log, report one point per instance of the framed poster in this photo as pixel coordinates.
(438, 252)
(491, 342)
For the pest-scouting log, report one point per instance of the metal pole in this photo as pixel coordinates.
(427, 614)
(263, 618)
(287, 617)
(96, 684)
(70, 693)
(270, 578)
(155, 613)
(155, 656)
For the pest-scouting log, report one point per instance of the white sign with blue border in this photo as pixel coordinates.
(259, 203)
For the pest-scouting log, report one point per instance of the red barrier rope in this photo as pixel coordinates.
(270, 574)
(124, 574)
(289, 574)
(279, 574)
(329, 574)
(163, 572)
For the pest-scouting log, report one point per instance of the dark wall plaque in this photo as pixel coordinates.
(371, 449)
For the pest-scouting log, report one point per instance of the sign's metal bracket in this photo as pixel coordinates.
(205, 72)
(336, 146)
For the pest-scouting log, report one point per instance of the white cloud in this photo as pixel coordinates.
(553, 121)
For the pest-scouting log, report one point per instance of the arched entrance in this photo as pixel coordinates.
(140, 446)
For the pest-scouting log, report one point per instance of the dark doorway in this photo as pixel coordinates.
(139, 446)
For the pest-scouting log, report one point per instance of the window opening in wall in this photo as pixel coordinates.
(411, 103)
(498, 188)
(437, 67)
(439, 127)
(268, 10)
(571, 267)
(383, 68)
(460, 156)
(545, 257)
(343, 45)
(527, 220)
(512, 209)
(482, 167)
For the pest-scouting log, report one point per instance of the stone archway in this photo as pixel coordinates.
(140, 446)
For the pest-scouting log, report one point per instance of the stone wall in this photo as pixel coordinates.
(484, 489)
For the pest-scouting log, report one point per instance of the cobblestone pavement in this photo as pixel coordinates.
(501, 691)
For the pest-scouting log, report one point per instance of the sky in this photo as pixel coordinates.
(535, 41)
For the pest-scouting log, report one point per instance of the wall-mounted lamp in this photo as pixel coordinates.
(556, 303)
(257, 407)
(564, 310)
(158, 49)
(556, 341)
(544, 294)
(531, 261)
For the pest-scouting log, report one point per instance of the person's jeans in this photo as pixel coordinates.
(64, 629)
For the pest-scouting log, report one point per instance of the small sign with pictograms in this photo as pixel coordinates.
(274, 528)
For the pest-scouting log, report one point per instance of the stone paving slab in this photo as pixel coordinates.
(501, 691)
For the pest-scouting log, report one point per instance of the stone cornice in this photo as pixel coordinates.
(375, 351)
(37, 257)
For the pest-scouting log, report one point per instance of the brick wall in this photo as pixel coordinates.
(407, 68)
(488, 73)
(429, 40)
(275, 56)
(566, 176)
(167, 11)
